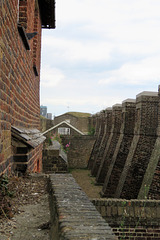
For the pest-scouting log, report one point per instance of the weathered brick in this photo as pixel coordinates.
(19, 87)
(111, 143)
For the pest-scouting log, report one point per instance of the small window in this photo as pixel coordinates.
(64, 131)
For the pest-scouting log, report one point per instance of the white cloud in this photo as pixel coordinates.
(99, 101)
(76, 50)
(137, 73)
(50, 77)
(101, 53)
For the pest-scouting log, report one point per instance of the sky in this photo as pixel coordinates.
(100, 53)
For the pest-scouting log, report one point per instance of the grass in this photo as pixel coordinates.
(86, 182)
(79, 114)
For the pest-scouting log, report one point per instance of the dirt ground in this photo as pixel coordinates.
(28, 216)
(87, 182)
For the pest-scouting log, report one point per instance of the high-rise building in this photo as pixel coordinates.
(43, 111)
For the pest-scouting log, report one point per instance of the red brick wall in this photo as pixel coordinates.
(19, 87)
(134, 219)
(79, 150)
(35, 162)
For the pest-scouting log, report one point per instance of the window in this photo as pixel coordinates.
(64, 131)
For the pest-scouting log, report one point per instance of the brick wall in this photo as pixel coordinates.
(73, 216)
(103, 141)
(152, 175)
(98, 136)
(19, 86)
(34, 163)
(54, 159)
(126, 159)
(79, 150)
(132, 219)
(141, 147)
(111, 143)
(122, 148)
(102, 119)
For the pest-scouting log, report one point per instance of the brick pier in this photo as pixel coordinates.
(122, 148)
(99, 130)
(107, 130)
(145, 132)
(111, 143)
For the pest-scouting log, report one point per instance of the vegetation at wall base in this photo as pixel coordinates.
(91, 131)
(5, 195)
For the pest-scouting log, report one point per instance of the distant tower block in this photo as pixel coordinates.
(122, 148)
(151, 182)
(98, 132)
(111, 144)
(141, 147)
(106, 134)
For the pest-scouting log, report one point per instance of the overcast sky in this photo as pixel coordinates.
(101, 53)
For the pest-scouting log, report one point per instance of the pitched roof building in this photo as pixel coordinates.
(77, 119)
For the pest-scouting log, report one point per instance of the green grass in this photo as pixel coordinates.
(79, 114)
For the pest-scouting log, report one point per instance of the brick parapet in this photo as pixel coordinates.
(146, 212)
(73, 216)
(131, 219)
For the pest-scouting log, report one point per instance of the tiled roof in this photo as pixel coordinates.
(31, 137)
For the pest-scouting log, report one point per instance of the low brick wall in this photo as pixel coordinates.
(131, 219)
(73, 216)
(30, 162)
(54, 159)
(79, 150)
